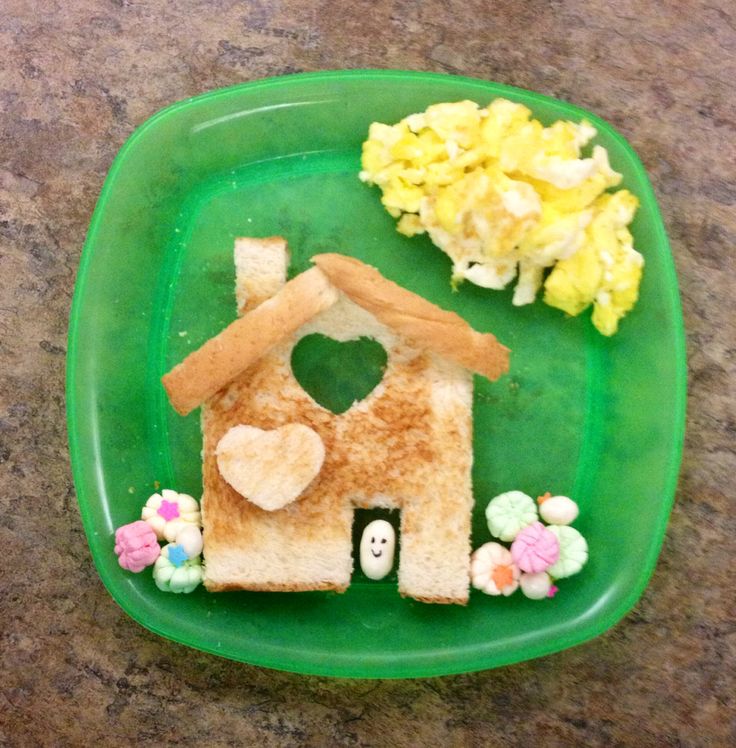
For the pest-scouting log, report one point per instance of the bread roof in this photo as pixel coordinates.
(211, 367)
(421, 322)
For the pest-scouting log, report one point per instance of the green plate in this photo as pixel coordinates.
(598, 419)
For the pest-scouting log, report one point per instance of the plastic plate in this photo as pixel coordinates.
(598, 419)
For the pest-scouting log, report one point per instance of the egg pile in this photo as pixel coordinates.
(539, 555)
(508, 198)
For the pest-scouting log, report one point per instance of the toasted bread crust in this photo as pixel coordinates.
(437, 600)
(210, 368)
(275, 587)
(422, 323)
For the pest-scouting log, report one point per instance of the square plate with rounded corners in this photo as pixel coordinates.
(599, 419)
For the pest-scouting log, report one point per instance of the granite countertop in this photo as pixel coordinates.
(77, 79)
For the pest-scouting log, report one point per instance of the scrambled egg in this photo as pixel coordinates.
(506, 197)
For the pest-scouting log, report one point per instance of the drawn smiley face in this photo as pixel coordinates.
(377, 548)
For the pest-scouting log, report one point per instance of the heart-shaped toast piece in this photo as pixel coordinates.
(270, 468)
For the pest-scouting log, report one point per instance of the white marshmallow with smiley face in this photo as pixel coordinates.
(377, 547)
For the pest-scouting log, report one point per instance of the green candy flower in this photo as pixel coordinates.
(174, 572)
(509, 513)
(573, 552)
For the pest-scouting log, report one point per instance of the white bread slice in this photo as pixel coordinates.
(408, 446)
(260, 270)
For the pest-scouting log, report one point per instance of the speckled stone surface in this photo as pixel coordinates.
(75, 80)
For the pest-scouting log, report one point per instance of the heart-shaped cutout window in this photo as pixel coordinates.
(337, 374)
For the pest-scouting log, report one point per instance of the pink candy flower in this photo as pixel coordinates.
(136, 546)
(535, 548)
